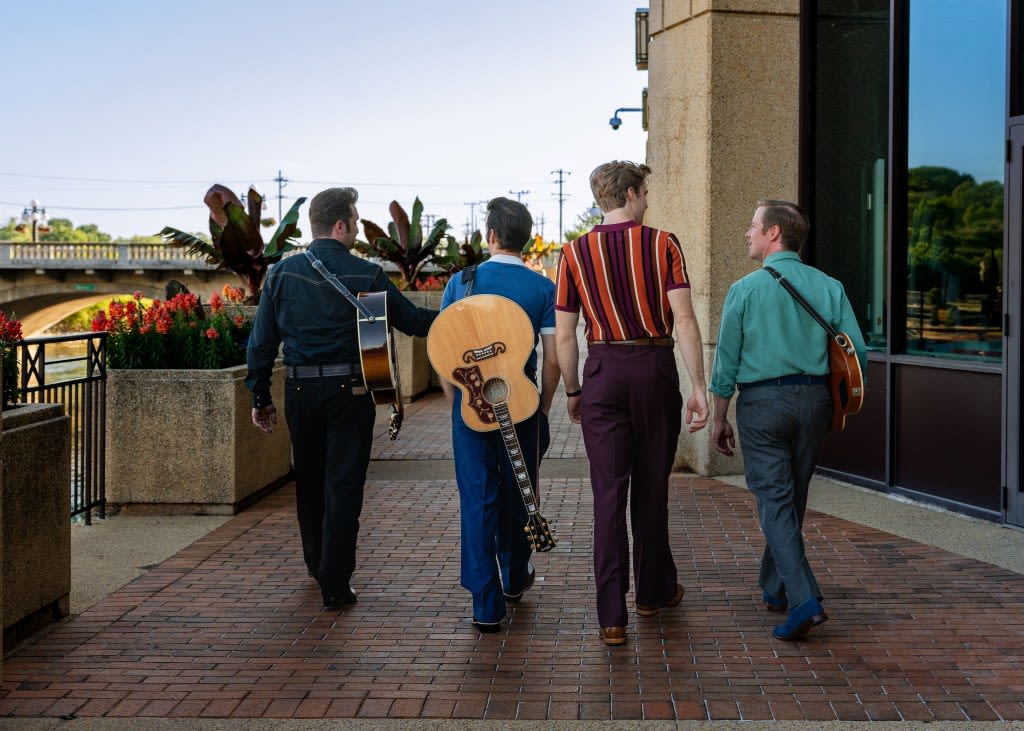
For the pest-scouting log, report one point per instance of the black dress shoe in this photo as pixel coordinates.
(341, 600)
(531, 576)
(487, 628)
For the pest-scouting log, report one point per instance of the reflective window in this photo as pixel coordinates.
(851, 141)
(955, 156)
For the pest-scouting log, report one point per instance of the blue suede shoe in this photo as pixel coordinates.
(800, 620)
(774, 603)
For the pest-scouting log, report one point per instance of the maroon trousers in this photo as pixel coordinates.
(631, 413)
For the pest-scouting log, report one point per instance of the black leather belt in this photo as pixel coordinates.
(660, 342)
(798, 380)
(321, 371)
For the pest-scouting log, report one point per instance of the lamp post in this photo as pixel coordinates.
(36, 215)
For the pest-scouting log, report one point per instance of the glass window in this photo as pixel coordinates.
(955, 157)
(851, 141)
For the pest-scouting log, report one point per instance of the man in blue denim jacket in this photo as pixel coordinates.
(329, 413)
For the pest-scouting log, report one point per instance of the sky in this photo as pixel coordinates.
(957, 107)
(122, 113)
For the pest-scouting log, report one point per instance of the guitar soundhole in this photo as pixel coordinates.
(495, 390)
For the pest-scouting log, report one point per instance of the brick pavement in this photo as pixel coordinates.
(231, 627)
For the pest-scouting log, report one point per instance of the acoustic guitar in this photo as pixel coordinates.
(496, 394)
(377, 357)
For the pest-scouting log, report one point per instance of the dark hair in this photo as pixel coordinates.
(330, 206)
(789, 217)
(609, 182)
(511, 221)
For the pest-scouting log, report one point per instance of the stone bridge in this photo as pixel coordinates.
(42, 283)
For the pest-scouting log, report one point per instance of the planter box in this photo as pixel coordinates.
(35, 453)
(183, 442)
(414, 370)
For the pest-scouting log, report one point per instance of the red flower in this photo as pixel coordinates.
(212, 333)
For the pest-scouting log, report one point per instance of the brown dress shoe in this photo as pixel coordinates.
(613, 635)
(649, 610)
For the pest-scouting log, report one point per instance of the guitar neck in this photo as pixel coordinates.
(515, 456)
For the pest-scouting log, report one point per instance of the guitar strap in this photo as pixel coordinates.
(803, 303)
(336, 283)
(467, 279)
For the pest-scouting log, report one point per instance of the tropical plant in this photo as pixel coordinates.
(177, 333)
(236, 243)
(404, 244)
(10, 336)
(457, 256)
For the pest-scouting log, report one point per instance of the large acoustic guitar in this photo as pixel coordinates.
(481, 344)
(377, 356)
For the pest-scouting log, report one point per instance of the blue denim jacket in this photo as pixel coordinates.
(316, 324)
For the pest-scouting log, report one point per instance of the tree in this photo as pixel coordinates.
(584, 222)
(60, 230)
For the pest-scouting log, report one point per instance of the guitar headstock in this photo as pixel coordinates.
(539, 534)
(395, 423)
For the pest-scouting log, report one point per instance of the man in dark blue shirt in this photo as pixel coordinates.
(329, 413)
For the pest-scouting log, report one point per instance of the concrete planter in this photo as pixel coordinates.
(183, 442)
(35, 453)
(414, 369)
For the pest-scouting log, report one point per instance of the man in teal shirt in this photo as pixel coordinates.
(776, 355)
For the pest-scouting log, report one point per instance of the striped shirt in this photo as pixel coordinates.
(620, 275)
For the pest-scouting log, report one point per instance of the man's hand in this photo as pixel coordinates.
(697, 411)
(723, 437)
(573, 407)
(265, 418)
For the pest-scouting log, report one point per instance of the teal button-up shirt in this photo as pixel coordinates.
(765, 333)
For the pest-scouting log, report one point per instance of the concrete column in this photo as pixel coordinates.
(723, 98)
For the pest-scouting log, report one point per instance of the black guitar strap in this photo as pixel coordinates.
(467, 278)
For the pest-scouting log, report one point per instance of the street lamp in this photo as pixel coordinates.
(35, 215)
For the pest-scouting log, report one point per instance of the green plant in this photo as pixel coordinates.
(457, 256)
(236, 243)
(10, 336)
(177, 333)
(404, 244)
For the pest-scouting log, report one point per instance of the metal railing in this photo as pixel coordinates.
(78, 381)
(53, 255)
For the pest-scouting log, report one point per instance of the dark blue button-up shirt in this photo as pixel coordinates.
(314, 321)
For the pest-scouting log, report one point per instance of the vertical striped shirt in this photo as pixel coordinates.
(620, 275)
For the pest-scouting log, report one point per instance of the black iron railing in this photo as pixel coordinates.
(72, 370)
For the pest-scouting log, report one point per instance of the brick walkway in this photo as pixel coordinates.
(232, 627)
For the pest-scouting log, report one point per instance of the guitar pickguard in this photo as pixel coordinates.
(473, 380)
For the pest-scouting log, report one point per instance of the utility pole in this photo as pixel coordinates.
(472, 215)
(561, 200)
(539, 223)
(281, 182)
(519, 194)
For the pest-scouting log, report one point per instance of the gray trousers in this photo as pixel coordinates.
(781, 431)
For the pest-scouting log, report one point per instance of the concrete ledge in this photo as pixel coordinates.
(182, 441)
(36, 526)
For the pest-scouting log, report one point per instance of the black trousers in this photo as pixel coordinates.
(331, 434)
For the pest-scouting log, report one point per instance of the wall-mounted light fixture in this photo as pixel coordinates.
(642, 38)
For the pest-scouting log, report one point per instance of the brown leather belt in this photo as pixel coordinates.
(657, 342)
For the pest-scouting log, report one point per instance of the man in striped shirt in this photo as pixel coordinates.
(630, 283)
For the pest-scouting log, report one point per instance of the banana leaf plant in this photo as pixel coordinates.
(457, 256)
(236, 243)
(404, 244)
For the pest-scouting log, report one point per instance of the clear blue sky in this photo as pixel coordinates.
(958, 86)
(122, 113)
